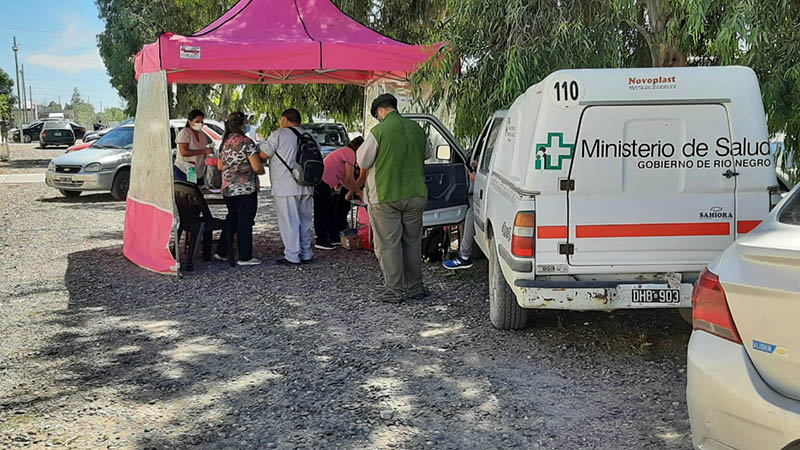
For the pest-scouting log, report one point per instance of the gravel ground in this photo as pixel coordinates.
(98, 353)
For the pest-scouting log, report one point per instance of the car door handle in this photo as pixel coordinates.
(730, 174)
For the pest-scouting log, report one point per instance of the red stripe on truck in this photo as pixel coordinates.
(653, 230)
(746, 226)
(552, 232)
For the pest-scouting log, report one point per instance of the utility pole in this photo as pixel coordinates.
(24, 100)
(16, 67)
(30, 96)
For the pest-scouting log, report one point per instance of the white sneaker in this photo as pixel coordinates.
(249, 262)
(219, 258)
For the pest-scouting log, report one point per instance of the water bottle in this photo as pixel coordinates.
(191, 176)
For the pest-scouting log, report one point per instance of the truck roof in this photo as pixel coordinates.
(719, 84)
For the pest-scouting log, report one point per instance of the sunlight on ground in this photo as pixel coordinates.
(156, 329)
(438, 329)
(668, 434)
(293, 324)
(193, 348)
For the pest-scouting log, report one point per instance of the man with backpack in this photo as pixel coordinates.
(295, 170)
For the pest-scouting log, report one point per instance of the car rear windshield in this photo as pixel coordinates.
(121, 137)
(49, 125)
(790, 214)
(333, 135)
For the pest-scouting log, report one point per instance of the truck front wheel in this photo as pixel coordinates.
(504, 311)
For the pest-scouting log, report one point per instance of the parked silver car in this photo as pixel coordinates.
(106, 165)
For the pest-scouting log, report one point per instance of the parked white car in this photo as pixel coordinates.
(743, 388)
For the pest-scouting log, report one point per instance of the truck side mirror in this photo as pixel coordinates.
(443, 152)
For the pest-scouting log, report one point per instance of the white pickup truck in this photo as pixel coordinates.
(604, 189)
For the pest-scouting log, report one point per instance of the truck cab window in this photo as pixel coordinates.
(491, 140)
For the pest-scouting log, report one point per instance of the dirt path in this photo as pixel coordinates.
(97, 353)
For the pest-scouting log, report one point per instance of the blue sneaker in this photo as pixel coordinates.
(458, 263)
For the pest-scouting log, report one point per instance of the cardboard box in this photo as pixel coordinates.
(351, 240)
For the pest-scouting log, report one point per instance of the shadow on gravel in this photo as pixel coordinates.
(301, 358)
(89, 202)
(83, 199)
(27, 163)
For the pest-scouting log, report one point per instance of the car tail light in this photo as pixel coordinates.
(710, 308)
(44, 133)
(522, 240)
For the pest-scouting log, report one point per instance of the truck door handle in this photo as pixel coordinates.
(730, 174)
(480, 194)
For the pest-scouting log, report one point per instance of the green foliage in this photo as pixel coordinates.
(112, 115)
(775, 56)
(133, 23)
(76, 98)
(496, 50)
(84, 114)
(7, 98)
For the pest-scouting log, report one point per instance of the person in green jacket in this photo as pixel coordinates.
(394, 154)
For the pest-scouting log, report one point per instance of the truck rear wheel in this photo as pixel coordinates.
(504, 311)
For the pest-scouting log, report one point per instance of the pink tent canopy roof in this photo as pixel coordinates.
(282, 41)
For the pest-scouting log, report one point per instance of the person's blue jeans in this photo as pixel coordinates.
(179, 175)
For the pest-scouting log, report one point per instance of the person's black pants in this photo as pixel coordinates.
(330, 213)
(240, 220)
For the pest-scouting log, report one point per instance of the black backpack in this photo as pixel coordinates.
(308, 167)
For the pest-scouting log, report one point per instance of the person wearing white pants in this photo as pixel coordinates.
(295, 220)
(293, 203)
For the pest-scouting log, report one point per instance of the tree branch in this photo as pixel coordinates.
(641, 30)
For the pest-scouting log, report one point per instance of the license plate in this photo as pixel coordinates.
(64, 179)
(655, 295)
(57, 133)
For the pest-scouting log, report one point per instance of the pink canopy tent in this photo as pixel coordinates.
(256, 42)
(282, 41)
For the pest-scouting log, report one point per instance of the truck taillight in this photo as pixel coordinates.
(522, 239)
(710, 308)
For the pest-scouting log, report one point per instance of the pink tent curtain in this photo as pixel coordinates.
(282, 41)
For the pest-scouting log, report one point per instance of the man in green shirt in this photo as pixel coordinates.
(394, 154)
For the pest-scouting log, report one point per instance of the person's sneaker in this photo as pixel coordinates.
(324, 246)
(336, 243)
(387, 295)
(307, 261)
(219, 257)
(419, 295)
(286, 262)
(458, 263)
(249, 262)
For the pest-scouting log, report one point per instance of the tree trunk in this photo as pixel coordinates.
(223, 107)
(664, 51)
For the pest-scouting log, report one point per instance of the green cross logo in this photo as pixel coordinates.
(542, 152)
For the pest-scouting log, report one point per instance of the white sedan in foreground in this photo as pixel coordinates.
(743, 388)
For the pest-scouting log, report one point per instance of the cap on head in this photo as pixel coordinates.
(383, 101)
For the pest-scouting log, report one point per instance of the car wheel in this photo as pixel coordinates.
(26, 139)
(504, 311)
(119, 189)
(70, 194)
